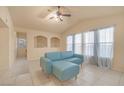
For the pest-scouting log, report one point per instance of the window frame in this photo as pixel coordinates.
(80, 43)
(70, 43)
(95, 34)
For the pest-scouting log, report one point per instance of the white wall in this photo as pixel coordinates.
(118, 21)
(35, 53)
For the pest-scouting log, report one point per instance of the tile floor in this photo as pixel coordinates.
(24, 73)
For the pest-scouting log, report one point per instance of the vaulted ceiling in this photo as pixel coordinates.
(34, 17)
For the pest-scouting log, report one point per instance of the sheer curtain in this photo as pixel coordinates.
(98, 46)
(88, 46)
(105, 47)
(95, 45)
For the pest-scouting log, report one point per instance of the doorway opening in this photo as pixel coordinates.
(21, 45)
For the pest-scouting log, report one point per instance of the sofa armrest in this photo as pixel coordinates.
(79, 56)
(46, 65)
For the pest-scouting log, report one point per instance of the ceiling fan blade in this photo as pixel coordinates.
(51, 17)
(59, 9)
(49, 10)
(60, 19)
(68, 15)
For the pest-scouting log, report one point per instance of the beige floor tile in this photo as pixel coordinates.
(111, 76)
(29, 73)
(20, 68)
(121, 82)
(105, 83)
(7, 79)
(24, 80)
(39, 78)
(8, 82)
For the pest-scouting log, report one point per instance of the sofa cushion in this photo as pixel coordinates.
(66, 54)
(65, 70)
(53, 55)
(74, 60)
(59, 61)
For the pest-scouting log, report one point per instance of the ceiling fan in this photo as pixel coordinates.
(59, 14)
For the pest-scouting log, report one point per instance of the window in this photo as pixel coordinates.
(69, 43)
(21, 43)
(106, 42)
(88, 43)
(78, 43)
(93, 43)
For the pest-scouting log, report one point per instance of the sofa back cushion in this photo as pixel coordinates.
(66, 54)
(53, 56)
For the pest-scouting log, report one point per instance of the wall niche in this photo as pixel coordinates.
(40, 42)
(55, 42)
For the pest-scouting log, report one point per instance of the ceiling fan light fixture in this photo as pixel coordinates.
(61, 16)
(58, 15)
(56, 19)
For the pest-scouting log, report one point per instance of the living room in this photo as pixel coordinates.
(85, 41)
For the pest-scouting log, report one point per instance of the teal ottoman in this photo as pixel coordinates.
(65, 70)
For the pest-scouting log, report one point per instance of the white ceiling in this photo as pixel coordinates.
(33, 17)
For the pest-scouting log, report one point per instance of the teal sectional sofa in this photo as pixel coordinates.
(64, 65)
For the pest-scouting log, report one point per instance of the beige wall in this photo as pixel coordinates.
(117, 21)
(35, 53)
(4, 49)
(7, 39)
